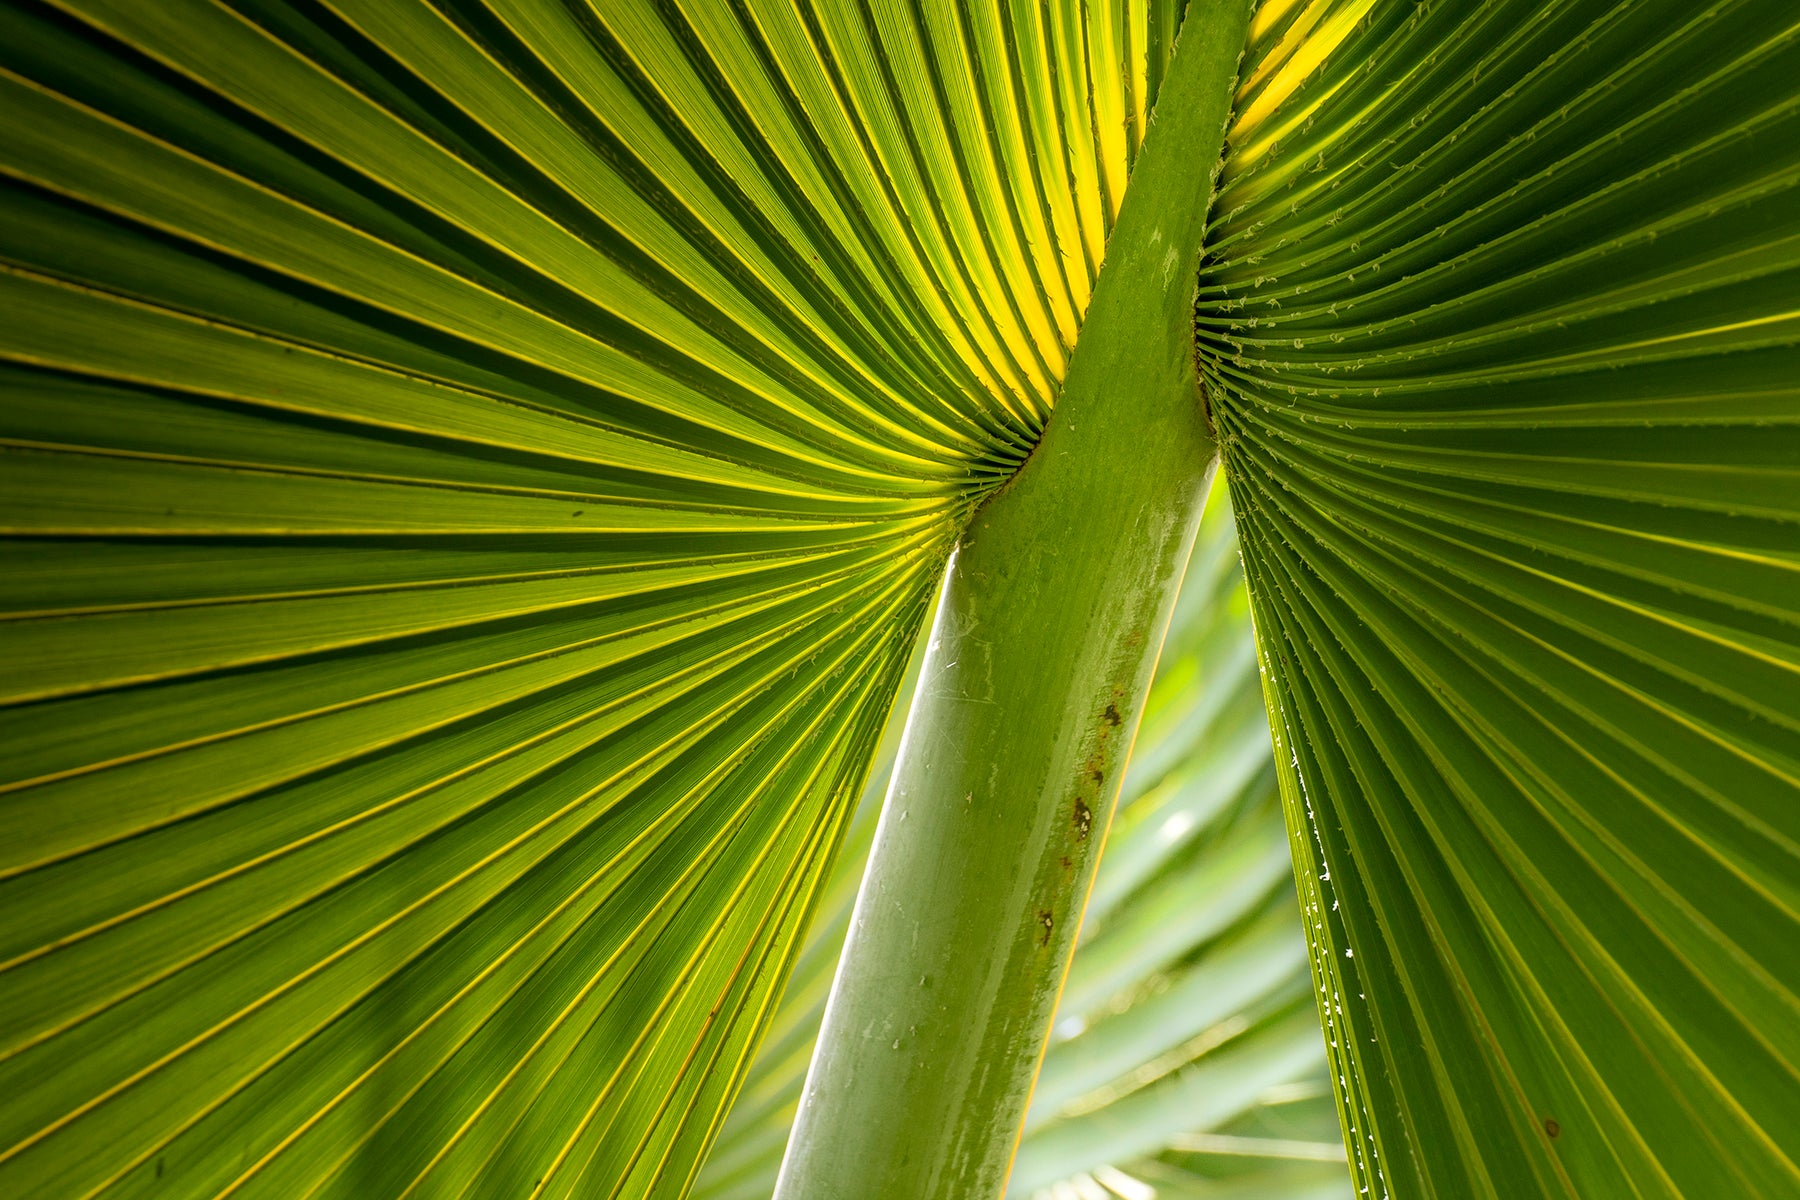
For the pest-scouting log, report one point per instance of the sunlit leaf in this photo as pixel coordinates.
(1500, 330)
(472, 476)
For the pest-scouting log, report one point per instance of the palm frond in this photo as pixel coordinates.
(472, 474)
(1500, 335)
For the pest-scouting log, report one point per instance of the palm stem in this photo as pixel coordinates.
(1053, 611)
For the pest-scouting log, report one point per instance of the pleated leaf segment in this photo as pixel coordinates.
(1500, 331)
(472, 477)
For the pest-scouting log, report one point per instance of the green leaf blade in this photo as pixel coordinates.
(1499, 340)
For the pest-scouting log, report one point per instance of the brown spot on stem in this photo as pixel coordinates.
(1047, 924)
(1552, 1128)
(1083, 818)
(1112, 715)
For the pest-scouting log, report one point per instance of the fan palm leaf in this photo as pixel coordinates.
(1500, 333)
(472, 474)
